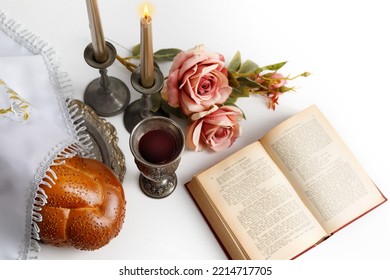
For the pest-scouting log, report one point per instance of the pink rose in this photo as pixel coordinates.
(197, 80)
(272, 81)
(216, 129)
(277, 81)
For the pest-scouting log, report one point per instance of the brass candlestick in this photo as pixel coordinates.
(141, 108)
(108, 96)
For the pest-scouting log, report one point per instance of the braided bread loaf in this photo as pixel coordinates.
(85, 208)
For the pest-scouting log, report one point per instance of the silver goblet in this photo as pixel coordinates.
(157, 144)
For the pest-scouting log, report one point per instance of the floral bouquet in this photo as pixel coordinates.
(202, 89)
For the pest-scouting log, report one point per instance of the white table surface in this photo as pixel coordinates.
(343, 43)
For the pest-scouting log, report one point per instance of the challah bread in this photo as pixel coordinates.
(85, 207)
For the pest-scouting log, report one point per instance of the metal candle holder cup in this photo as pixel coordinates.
(157, 180)
(108, 96)
(141, 109)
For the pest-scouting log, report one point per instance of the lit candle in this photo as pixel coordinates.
(147, 63)
(98, 41)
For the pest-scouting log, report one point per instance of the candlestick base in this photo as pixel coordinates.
(108, 96)
(132, 115)
(141, 109)
(107, 105)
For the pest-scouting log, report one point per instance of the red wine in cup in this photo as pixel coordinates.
(157, 146)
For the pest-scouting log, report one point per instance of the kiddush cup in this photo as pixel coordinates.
(157, 144)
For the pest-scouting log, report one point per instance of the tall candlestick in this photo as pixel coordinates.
(98, 41)
(147, 62)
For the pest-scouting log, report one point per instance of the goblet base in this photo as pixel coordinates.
(158, 189)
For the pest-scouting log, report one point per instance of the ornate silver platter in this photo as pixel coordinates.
(104, 138)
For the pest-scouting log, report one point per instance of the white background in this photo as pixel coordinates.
(344, 44)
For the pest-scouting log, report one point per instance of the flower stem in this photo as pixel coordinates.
(130, 66)
(304, 74)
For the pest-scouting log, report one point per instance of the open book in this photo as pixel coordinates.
(280, 196)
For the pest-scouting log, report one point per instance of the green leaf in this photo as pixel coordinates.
(233, 80)
(261, 92)
(231, 100)
(272, 67)
(285, 89)
(170, 110)
(248, 67)
(156, 101)
(245, 91)
(166, 54)
(241, 91)
(235, 64)
(245, 81)
(136, 51)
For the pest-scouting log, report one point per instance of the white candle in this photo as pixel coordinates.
(98, 41)
(147, 62)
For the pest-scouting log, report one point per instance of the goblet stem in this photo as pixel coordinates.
(157, 177)
(159, 189)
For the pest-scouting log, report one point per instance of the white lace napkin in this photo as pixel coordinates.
(36, 131)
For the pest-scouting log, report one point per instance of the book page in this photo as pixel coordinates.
(216, 221)
(322, 169)
(259, 206)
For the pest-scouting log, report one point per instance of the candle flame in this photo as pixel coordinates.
(146, 11)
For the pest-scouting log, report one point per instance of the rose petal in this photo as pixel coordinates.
(172, 90)
(207, 73)
(191, 61)
(179, 59)
(235, 111)
(199, 115)
(197, 81)
(188, 105)
(193, 139)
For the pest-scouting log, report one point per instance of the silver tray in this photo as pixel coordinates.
(104, 138)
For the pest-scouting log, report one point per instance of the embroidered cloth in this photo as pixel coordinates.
(36, 131)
